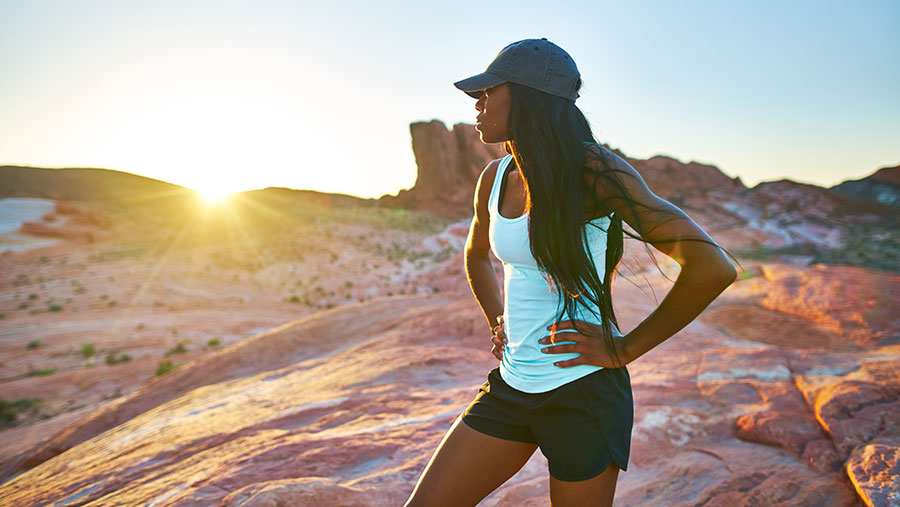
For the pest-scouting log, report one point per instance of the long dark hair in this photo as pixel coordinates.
(553, 145)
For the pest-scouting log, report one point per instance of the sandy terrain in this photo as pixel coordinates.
(348, 344)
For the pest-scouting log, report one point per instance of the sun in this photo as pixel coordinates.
(213, 196)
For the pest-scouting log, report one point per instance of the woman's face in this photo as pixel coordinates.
(493, 111)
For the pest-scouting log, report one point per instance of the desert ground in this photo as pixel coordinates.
(296, 348)
(322, 364)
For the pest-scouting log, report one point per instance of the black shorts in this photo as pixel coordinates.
(581, 427)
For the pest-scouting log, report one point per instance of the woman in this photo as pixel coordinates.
(552, 212)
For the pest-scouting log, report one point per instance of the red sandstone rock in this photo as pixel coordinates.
(449, 163)
(67, 232)
(875, 472)
(791, 430)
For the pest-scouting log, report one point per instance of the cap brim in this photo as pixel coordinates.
(474, 85)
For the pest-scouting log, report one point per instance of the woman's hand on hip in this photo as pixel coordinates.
(592, 347)
(498, 338)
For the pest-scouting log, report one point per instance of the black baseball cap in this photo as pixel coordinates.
(536, 63)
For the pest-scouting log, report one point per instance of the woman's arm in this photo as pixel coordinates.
(705, 270)
(479, 269)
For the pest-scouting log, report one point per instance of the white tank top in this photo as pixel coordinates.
(529, 302)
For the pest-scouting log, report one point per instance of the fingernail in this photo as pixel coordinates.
(544, 349)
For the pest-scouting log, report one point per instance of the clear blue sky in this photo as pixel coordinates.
(227, 95)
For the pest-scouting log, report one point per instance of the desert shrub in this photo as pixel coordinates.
(33, 344)
(43, 371)
(9, 410)
(213, 342)
(165, 367)
(116, 357)
(55, 308)
(177, 349)
(443, 255)
(87, 349)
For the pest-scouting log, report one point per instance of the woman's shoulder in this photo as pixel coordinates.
(486, 180)
(490, 170)
(489, 173)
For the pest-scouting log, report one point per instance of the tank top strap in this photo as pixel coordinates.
(495, 190)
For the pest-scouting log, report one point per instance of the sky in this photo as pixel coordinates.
(224, 96)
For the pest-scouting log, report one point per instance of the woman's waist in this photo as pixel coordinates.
(522, 323)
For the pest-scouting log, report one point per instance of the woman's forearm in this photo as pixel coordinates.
(693, 291)
(483, 282)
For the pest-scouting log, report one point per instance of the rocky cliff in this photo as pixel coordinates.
(851, 223)
(449, 163)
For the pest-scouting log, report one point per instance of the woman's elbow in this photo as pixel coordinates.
(714, 273)
(723, 272)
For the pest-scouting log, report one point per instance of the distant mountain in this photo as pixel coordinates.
(883, 186)
(82, 184)
(855, 222)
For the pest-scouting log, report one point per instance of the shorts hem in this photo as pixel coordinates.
(588, 476)
(495, 434)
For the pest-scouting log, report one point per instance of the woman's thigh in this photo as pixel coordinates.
(594, 492)
(467, 466)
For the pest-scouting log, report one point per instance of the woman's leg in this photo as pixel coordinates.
(597, 491)
(467, 466)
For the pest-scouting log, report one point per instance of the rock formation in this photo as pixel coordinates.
(449, 163)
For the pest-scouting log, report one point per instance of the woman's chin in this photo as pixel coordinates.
(486, 139)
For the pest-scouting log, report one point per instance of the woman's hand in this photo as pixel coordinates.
(498, 338)
(592, 348)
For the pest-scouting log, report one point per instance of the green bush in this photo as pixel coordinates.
(55, 308)
(87, 349)
(213, 342)
(33, 344)
(43, 371)
(9, 410)
(165, 367)
(177, 349)
(115, 357)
